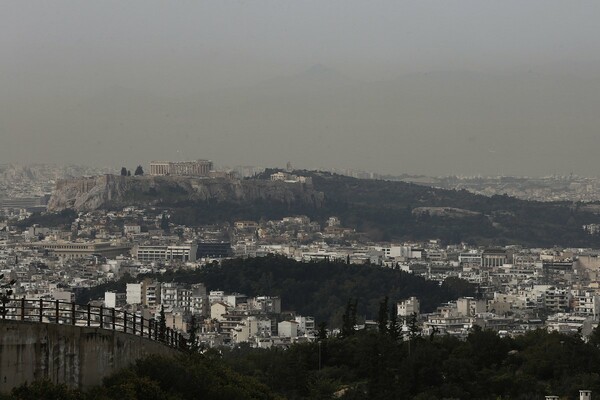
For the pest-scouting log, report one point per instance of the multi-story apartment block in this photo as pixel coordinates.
(586, 303)
(266, 304)
(146, 293)
(557, 299)
(408, 307)
(470, 307)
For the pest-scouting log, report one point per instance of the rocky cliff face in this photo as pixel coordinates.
(112, 191)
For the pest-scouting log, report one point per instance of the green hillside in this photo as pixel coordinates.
(319, 289)
(394, 211)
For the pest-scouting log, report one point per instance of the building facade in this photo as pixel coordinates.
(184, 252)
(183, 168)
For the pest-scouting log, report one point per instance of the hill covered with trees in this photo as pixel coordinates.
(320, 289)
(396, 211)
(382, 210)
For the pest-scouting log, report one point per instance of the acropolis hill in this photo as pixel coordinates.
(114, 191)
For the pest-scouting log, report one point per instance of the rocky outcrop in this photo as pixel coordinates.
(112, 191)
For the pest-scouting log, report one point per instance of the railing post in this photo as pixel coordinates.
(23, 309)
(125, 321)
(57, 312)
(113, 319)
(133, 317)
(149, 328)
(73, 314)
(89, 314)
(41, 309)
(101, 316)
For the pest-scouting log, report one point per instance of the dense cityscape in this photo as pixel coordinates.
(133, 262)
(305, 200)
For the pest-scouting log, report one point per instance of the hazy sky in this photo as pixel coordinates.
(433, 87)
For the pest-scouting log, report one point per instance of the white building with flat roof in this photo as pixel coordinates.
(409, 307)
(181, 252)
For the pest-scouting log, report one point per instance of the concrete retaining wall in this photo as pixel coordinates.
(78, 356)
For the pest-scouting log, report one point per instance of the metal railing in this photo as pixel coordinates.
(67, 313)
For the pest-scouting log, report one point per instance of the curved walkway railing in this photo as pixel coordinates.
(62, 312)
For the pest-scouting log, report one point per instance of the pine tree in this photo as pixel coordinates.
(382, 319)
(193, 339)
(594, 338)
(123, 171)
(162, 325)
(349, 319)
(414, 330)
(322, 335)
(164, 223)
(394, 329)
(139, 170)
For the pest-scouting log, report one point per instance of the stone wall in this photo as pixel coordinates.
(78, 356)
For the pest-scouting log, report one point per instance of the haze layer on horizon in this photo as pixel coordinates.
(420, 87)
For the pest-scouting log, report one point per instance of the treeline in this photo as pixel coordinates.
(361, 365)
(320, 289)
(63, 218)
(374, 365)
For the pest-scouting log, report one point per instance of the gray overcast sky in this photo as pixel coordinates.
(434, 87)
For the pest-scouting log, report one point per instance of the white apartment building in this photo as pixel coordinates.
(114, 299)
(305, 324)
(586, 303)
(408, 307)
(287, 329)
(470, 307)
(146, 293)
(134, 293)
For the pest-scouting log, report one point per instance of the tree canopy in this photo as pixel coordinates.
(320, 289)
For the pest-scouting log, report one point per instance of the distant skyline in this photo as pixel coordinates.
(393, 87)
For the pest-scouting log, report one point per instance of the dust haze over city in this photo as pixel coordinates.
(427, 87)
(333, 199)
